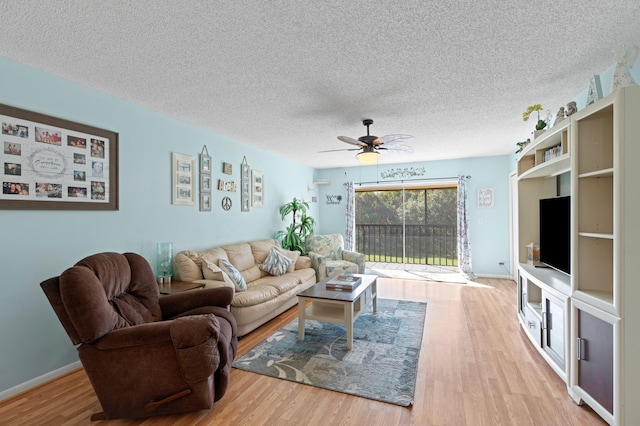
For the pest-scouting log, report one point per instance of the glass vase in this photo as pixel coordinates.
(164, 261)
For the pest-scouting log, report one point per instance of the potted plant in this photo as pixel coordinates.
(292, 238)
(541, 124)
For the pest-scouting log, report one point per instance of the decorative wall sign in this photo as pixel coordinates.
(257, 188)
(53, 164)
(401, 173)
(226, 203)
(227, 186)
(183, 177)
(334, 199)
(227, 168)
(205, 180)
(485, 198)
(244, 185)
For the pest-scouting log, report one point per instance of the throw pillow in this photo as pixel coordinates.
(234, 274)
(276, 263)
(293, 255)
(211, 271)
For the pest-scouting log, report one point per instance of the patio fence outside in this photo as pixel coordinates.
(424, 245)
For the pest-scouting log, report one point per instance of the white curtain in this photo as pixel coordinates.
(350, 229)
(464, 247)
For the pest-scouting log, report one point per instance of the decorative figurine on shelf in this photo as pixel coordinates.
(572, 108)
(559, 116)
(595, 90)
(624, 62)
(522, 145)
(541, 124)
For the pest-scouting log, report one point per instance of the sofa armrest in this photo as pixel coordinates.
(319, 264)
(303, 262)
(355, 257)
(149, 334)
(217, 283)
(176, 304)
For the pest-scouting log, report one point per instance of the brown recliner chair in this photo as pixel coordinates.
(144, 354)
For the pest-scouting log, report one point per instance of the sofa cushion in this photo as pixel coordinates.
(188, 263)
(210, 270)
(276, 263)
(256, 295)
(234, 275)
(261, 249)
(282, 284)
(240, 256)
(291, 254)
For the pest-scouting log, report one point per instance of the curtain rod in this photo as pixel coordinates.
(410, 180)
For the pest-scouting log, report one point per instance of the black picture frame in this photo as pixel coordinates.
(56, 163)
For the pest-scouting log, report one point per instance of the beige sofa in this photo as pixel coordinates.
(266, 296)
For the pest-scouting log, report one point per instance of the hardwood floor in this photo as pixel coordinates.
(476, 368)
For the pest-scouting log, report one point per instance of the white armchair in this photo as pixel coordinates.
(329, 258)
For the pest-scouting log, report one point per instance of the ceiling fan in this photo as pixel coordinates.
(370, 145)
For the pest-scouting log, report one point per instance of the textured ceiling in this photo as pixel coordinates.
(289, 76)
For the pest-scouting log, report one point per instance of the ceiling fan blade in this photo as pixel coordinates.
(377, 141)
(346, 149)
(400, 149)
(351, 141)
(396, 139)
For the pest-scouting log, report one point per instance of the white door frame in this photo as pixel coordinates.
(513, 224)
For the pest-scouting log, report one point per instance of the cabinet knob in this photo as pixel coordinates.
(531, 324)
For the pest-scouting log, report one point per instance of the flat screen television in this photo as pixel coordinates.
(555, 233)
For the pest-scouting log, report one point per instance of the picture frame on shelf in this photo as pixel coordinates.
(183, 179)
(257, 188)
(56, 164)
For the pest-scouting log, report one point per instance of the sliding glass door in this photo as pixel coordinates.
(415, 225)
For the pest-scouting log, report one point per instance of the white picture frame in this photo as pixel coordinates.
(183, 169)
(485, 198)
(257, 188)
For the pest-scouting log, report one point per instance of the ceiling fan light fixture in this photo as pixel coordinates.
(368, 157)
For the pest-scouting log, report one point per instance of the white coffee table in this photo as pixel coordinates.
(336, 306)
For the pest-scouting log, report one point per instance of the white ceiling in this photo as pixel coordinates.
(289, 76)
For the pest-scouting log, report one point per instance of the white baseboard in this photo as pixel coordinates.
(39, 380)
(505, 277)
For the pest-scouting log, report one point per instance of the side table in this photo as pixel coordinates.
(178, 286)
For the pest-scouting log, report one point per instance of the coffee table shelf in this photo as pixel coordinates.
(335, 306)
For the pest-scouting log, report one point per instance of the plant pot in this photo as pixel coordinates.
(537, 133)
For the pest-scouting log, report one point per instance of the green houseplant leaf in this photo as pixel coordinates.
(292, 238)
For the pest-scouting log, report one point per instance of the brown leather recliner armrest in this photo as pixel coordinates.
(179, 303)
(194, 338)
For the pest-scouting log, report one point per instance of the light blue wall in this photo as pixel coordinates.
(36, 245)
(489, 226)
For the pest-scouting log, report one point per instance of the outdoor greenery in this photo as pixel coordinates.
(436, 206)
(430, 225)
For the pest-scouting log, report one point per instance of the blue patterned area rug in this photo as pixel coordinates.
(382, 364)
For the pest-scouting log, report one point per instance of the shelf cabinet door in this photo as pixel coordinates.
(554, 325)
(595, 358)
